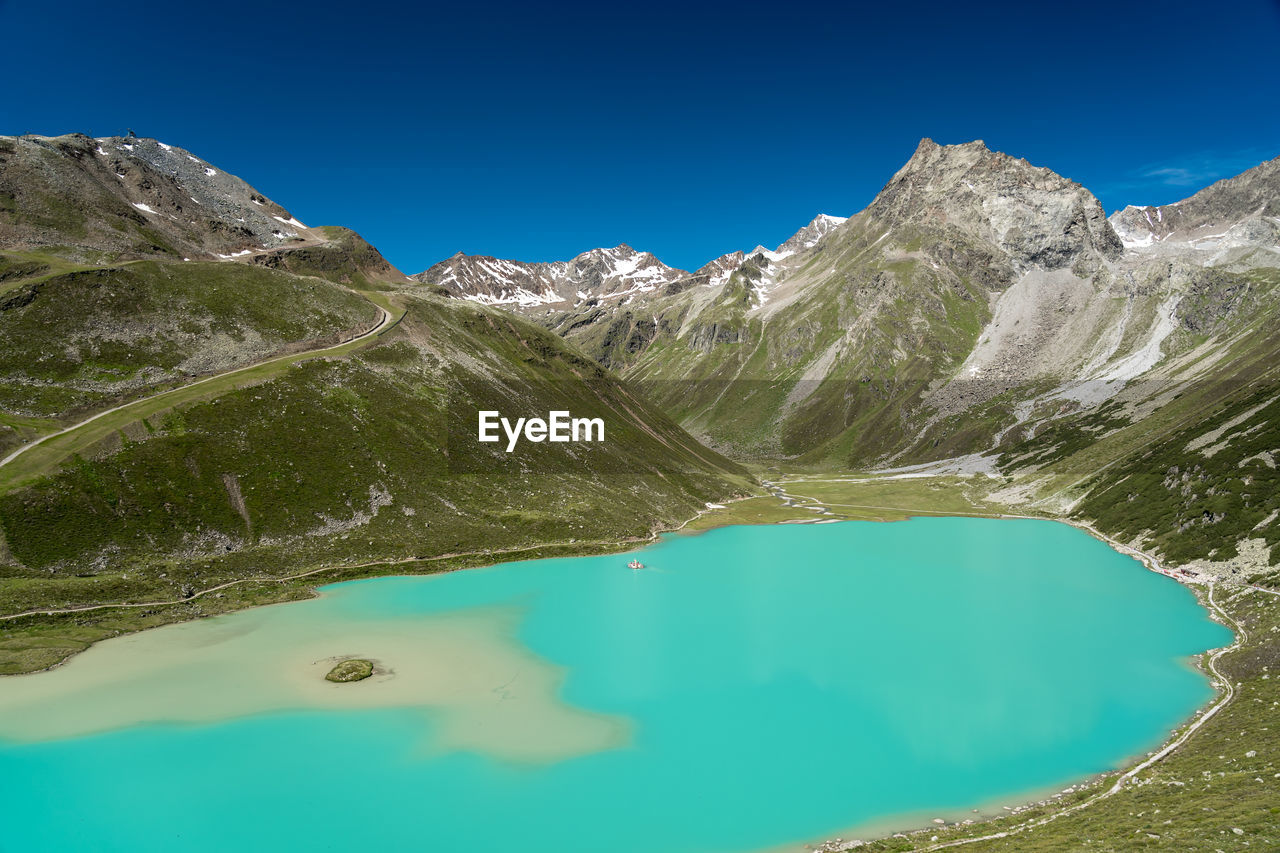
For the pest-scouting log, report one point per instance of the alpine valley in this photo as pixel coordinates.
(206, 405)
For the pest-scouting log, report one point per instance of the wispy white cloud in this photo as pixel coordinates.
(1177, 176)
(1171, 180)
(1203, 169)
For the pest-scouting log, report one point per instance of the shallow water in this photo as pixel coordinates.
(756, 686)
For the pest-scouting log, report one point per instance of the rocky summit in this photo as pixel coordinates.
(128, 198)
(615, 273)
(1035, 216)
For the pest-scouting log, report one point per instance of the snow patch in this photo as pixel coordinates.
(520, 296)
(143, 207)
(770, 254)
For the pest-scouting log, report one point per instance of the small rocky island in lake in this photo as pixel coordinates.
(355, 669)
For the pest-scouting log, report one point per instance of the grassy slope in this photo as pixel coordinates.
(1199, 505)
(78, 340)
(1132, 476)
(106, 431)
(356, 460)
(890, 499)
(898, 324)
(345, 257)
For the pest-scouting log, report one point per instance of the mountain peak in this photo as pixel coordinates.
(618, 273)
(928, 150)
(808, 236)
(137, 197)
(1039, 217)
(933, 158)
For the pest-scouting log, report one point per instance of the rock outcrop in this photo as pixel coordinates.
(1034, 214)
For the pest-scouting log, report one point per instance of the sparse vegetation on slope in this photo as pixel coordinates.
(79, 340)
(1203, 489)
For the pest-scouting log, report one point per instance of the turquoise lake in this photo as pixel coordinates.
(754, 687)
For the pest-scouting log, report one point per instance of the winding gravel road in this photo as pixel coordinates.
(381, 324)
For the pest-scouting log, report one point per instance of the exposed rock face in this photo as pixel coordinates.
(343, 255)
(704, 338)
(1035, 215)
(808, 236)
(131, 197)
(615, 273)
(975, 289)
(1224, 222)
(718, 271)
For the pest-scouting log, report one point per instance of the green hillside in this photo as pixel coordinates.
(368, 458)
(79, 340)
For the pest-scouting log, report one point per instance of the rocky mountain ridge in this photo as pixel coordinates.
(974, 296)
(126, 198)
(618, 276)
(1229, 221)
(1035, 216)
(599, 273)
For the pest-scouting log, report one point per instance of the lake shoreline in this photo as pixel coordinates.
(621, 546)
(1084, 793)
(715, 547)
(983, 814)
(480, 559)
(1130, 766)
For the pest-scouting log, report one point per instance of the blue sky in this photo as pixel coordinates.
(536, 131)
